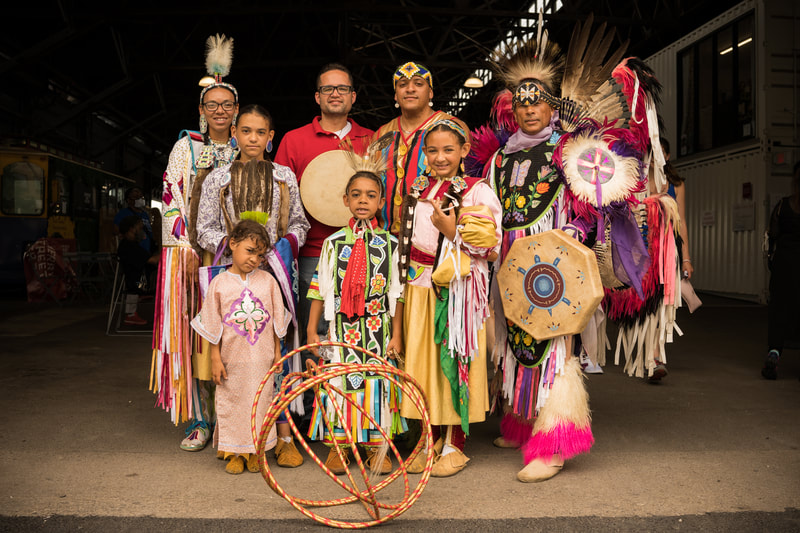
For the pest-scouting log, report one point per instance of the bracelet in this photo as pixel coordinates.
(687, 261)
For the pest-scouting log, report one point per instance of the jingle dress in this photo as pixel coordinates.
(244, 317)
(372, 331)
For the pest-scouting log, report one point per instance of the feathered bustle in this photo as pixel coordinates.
(219, 55)
(585, 89)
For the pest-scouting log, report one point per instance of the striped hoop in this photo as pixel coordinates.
(293, 386)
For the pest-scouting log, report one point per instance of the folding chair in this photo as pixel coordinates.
(116, 307)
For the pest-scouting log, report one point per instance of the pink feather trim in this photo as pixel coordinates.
(484, 144)
(516, 429)
(566, 439)
(503, 111)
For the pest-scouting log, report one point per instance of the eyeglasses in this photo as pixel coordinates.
(227, 105)
(341, 89)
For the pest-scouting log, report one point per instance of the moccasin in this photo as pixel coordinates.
(334, 464)
(540, 470)
(287, 455)
(235, 465)
(450, 464)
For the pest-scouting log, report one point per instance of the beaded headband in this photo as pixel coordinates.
(452, 124)
(530, 92)
(411, 69)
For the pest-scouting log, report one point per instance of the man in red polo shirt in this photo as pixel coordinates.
(335, 95)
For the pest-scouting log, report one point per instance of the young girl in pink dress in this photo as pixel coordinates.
(243, 319)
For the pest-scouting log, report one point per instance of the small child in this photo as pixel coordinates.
(358, 286)
(134, 261)
(243, 319)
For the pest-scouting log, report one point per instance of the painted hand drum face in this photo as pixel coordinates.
(550, 285)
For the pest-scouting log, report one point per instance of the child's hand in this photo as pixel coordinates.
(218, 372)
(394, 349)
(311, 338)
(444, 221)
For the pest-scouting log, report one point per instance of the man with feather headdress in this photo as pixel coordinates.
(178, 377)
(570, 159)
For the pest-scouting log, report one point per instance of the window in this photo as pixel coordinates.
(715, 97)
(22, 189)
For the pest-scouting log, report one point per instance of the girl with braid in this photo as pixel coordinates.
(449, 232)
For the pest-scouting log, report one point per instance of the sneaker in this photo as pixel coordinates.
(197, 438)
(659, 372)
(586, 364)
(287, 455)
(134, 320)
(770, 369)
(592, 368)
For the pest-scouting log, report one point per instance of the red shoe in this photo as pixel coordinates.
(134, 320)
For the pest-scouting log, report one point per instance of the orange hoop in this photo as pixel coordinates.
(294, 385)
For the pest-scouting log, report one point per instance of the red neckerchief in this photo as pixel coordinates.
(354, 284)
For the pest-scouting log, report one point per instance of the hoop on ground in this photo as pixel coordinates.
(294, 385)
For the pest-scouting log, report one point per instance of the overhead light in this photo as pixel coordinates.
(473, 82)
(205, 81)
(730, 48)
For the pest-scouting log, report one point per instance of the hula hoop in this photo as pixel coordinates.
(295, 384)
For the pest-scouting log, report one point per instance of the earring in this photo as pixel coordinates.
(462, 166)
(396, 105)
(203, 124)
(430, 103)
(269, 146)
(235, 116)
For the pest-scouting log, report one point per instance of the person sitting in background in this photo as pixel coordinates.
(136, 206)
(134, 260)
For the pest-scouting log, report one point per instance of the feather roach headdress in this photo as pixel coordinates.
(219, 57)
(539, 60)
(371, 160)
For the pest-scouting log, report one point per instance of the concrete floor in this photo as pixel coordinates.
(713, 447)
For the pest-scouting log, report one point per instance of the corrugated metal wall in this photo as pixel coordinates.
(727, 261)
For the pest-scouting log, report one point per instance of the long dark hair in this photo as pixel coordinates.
(453, 197)
(669, 170)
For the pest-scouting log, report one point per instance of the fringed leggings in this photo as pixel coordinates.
(452, 435)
